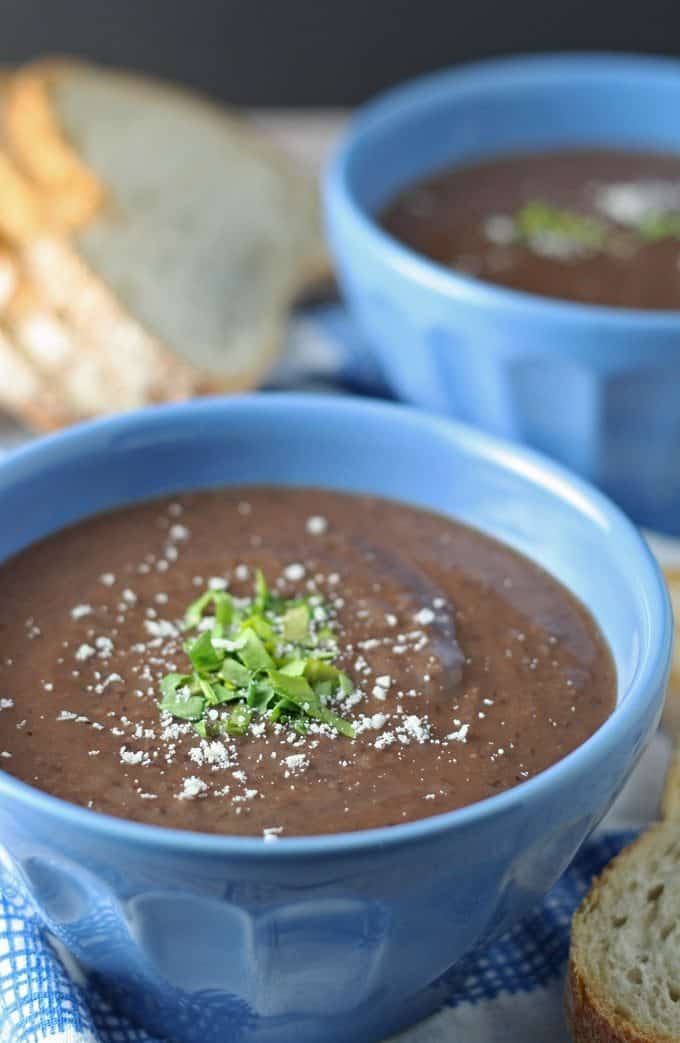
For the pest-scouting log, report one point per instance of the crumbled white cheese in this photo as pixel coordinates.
(104, 646)
(84, 652)
(81, 610)
(316, 525)
(6, 704)
(160, 628)
(296, 762)
(424, 617)
(131, 756)
(294, 572)
(499, 229)
(107, 578)
(416, 728)
(192, 787)
(630, 202)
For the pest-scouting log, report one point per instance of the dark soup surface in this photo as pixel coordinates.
(280, 662)
(596, 226)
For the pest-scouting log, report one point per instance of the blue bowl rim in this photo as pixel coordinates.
(491, 75)
(649, 676)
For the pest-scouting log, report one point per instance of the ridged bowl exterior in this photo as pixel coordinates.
(597, 388)
(205, 939)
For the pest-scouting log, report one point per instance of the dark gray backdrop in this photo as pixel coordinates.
(322, 52)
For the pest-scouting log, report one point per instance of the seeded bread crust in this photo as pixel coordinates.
(592, 1010)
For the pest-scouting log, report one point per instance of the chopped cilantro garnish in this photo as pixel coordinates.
(548, 229)
(534, 221)
(264, 657)
(179, 697)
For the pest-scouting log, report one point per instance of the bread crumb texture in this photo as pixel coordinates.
(624, 973)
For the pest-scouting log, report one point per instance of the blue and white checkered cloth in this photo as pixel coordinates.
(510, 992)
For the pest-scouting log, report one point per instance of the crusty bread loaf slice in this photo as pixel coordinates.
(670, 801)
(54, 351)
(204, 238)
(24, 393)
(111, 355)
(671, 713)
(624, 971)
(72, 192)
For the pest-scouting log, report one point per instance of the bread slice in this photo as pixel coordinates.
(624, 971)
(73, 193)
(670, 801)
(55, 352)
(204, 236)
(98, 357)
(24, 393)
(671, 714)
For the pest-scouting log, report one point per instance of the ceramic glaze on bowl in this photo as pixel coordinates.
(595, 387)
(352, 936)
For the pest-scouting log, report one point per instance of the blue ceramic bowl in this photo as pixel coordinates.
(597, 388)
(206, 939)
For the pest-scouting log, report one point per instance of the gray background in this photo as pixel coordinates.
(322, 52)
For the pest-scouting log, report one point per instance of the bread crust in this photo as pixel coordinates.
(589, 1022)
(670, 800)
(591, 1017)
(671, 712)
(64, 194)
(73, 193)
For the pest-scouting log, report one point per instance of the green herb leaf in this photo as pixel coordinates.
(294, 668)
(222, 602)
(203, 655)
(296, 689)
(246, 659)
(320, 670)
(339, 723)
(261, 627)
(296, 623)
(238, 720)
(181, 704)
(235, 673)
(171, 682)
(252, 652)
(216, 693)
(537, 219)
(261, 591)
(260, 694)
